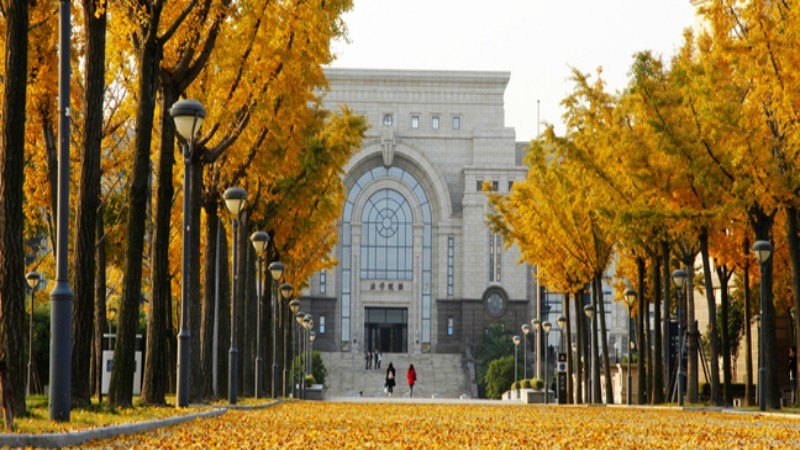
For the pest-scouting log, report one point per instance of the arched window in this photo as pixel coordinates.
(387, 240)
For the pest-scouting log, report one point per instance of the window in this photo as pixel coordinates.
(450, 326)
(495, 302)
(510, 185)
(450, 264)
(479, 185)
(323, 281)
(495, 257)
(415, 122)
(456, 122)
(321, 324)
(387, 237)
(387, 120)
(435, 122)
(495, 186)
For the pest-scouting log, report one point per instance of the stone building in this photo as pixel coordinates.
(419, 269)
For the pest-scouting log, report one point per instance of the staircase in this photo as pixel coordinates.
(439, 375)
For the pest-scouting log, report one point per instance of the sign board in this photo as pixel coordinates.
(108, 359)
(562, 367)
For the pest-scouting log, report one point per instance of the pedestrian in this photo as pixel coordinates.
(377, 365)
(367, 360)
(380, 360)
(412, 379)
(793, 371)
(390, 374)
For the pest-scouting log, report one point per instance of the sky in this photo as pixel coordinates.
(537, 41)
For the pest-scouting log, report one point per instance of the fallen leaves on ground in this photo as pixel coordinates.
(323, 425)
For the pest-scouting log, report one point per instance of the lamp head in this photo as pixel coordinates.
(546, 326)
(516, 340)
(112, 313)
(294, 306)
(276, 269)
(630, 298)
(526, 329)
(562, 322)
(298, 316)
(535, 323)
(260, 239)
(188, 116)
(589, 310)
(679, 277)
(763, 250)
(312, 335)
(33, 279)
(286, 291)
(235, 199)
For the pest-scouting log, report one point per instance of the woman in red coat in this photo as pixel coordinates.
(412, 378)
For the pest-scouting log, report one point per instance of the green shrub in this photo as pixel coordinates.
(310, 380)
(537, 383)
(318, 373)
(526, 384)
(499, 375)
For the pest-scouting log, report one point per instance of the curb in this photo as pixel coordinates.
(73, 438)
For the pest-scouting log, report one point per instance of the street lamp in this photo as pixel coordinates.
(298, 317)
(61, 296)
(562, 327)
(286, 293)
(276, 269)
(546, 327)
(525, 330)
(763, 251)
(235, 199)
(630, 300)
(679, 278)
(312, 336)
(536, 326)
(308, 324)
(516, 340)
(589, 310)
(188, 116)
(33, 281)
(294, 307)
(260, 239)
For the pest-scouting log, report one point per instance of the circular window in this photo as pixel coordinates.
(495, 303)
(387, 120)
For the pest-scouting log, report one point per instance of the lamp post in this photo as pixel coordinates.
(286, 293)
(792, 370)
(298, 317)
(630, 300)
(679, 278)
(188, 116)
(562, 326)
(516, 340)
(276, 270)
(546, 326)
(589, 310)
(308, 323)
(536, 327)
(525, 330)
(61, 296)
(294, 307)
(260, 239)
(312, 336)
(112, 314)
(235, 199)
(763, 251)
(33, 282)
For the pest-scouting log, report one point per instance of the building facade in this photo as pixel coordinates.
(418, 269)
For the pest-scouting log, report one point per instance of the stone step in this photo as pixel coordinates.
(439, 375)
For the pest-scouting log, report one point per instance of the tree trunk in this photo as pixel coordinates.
(794, 256)
(12, 179)
(598, 280)
(212, 295)
(99, 306)
(121, 389)
(657, 386)
(692, 375)
(724, 277)
(156, 384)
(762, 225)
(580, 329)
(88, 201)
(593, 357)
(566, 333)
(716, 397)
(748, 342)
(666, 338)
(640, 332)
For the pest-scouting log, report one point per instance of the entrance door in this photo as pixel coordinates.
(386, 329)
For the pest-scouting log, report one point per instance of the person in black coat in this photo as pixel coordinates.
(390, 376)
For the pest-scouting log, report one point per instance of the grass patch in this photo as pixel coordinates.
(96, 415)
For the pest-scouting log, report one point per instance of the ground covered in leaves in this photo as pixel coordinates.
(407, 425)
